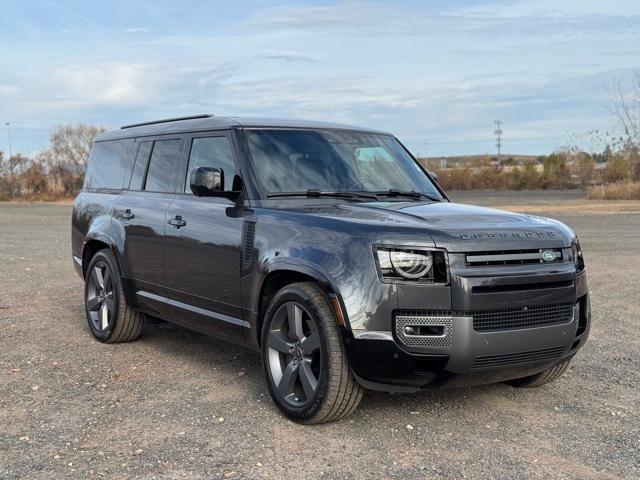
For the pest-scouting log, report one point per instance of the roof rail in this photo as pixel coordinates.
(167, 120)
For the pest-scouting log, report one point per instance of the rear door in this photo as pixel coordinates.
(142, 211)
(203, 246)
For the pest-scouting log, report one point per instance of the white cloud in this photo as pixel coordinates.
(108, 84)
(137, 30)
(528, 17)
(285, 56)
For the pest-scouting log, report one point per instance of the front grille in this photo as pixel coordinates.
(513, 257)
(518, 358)
(494, 320)
(521, 317)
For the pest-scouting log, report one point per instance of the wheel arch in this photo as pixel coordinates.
(95, 242)
(283, 273)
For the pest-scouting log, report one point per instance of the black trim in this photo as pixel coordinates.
(167, 120)
(191, 308)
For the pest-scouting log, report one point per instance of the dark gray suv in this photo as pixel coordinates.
(331, 251)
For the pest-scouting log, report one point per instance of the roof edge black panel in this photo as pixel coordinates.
(167, 120)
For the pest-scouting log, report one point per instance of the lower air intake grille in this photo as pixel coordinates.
(521, 317)
(519, 358)
(443, 322)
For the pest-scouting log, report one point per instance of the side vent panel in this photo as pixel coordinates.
(248, 240)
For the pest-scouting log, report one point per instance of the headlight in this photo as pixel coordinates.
(576, 252)
(427, 266)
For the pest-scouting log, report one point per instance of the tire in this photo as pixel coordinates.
(305, 365)
(539, 379)
(110, 319)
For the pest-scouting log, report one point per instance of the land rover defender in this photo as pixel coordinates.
(330, 250)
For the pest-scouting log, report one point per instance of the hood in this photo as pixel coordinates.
(455, 226)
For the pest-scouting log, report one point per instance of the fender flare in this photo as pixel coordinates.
(302, 266)
(101, 237)
(311, 270)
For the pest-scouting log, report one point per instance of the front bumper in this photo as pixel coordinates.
(473, 358)
(464, 354)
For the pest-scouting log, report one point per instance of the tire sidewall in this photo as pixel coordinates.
(106, 257)
(288, 294)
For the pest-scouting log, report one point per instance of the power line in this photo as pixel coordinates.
(498, 133)
(8, 124)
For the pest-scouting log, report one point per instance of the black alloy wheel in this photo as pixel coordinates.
(294, 355)
(109, 317)
(306, 367)
(100, 297)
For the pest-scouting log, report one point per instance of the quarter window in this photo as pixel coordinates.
(109, 162)
(214, 152)
(164, 159)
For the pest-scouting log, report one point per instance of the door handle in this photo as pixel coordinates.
(127, 215)
(177, 221)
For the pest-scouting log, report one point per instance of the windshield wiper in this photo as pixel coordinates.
(314, 192)
(392, 192)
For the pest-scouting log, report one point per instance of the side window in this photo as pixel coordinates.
(215, 152)
(142, 158)
(109, 162)
(162, 164)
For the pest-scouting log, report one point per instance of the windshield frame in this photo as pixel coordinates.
(264, 194)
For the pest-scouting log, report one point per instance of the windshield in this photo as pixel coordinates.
(334, 161)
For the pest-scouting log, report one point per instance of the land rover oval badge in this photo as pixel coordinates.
(548, 256)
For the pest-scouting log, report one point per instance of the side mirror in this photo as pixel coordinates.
(433, 175)
(207, 181)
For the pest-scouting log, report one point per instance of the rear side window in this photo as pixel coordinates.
(162, 165)
(109, 162)
(212, 152)
(137, 176)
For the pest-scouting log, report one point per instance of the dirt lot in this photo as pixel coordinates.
(177, 404)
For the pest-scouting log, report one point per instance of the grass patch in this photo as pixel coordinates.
(615, 191)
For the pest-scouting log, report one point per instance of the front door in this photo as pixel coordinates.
(202, 241)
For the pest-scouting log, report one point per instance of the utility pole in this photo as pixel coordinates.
(8, 124)
(498, 132)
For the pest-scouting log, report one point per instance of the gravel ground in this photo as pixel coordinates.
(177, 404)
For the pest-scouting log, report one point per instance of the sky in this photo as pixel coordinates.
(435, 73)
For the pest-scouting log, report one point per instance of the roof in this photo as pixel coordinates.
(206, 122)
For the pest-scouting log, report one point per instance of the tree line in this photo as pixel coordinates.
(56, 172)
(613, 173)
(565, 168)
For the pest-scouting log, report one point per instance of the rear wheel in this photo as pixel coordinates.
(110, 319)
(305, 365)
(546, 376)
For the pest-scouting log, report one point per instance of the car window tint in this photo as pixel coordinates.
(109, 162)
(164, 158)
(137, 176)
(376, 165)
(214, 152)
(334, 160)
(290, 161)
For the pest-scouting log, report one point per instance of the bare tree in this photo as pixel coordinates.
(71, 144)
(12, 168)
(625, 105)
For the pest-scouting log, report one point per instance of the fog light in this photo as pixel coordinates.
(409, 330)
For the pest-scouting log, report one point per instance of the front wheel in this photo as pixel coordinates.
(306, 368)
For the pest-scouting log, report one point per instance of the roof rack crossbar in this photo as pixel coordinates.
(167, 120)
